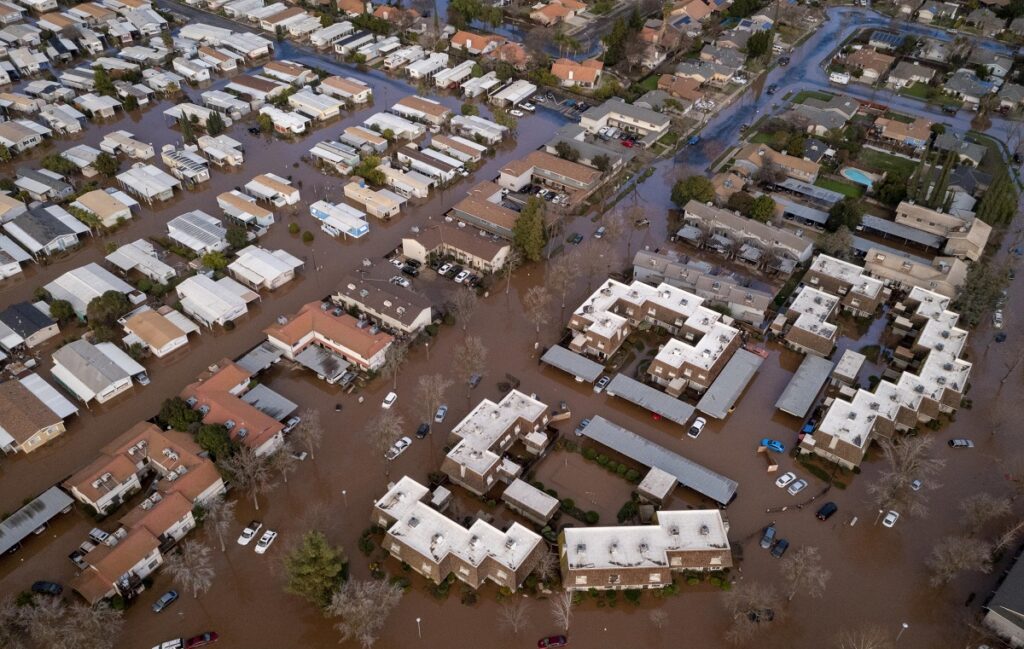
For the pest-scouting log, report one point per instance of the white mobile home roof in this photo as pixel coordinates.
(197, 230)
(48, 394)
(260, 266)
(211, 300)
(148, 181)
(81, 285)
(141, 255)
(515, 92)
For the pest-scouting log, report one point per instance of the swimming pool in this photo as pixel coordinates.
(857, 176)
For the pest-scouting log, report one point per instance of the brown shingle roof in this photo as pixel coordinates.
(22, 413)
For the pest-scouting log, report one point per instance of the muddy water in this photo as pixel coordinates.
(878, 574)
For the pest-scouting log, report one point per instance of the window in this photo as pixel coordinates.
(687, 372)
(464, 570)
(614, 579)
(581, 580)
(655, 578)
(716, 561)
(502, 575)
(677, 561)
(814, 280)
(396, 548)
(657, 370)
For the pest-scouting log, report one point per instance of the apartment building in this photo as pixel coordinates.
(317, 329)
(859, 293)
(753, 242)
(542, 168)
(396, 308)
(944, 275)
(965, 236)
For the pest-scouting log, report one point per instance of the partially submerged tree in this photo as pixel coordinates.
(837, 244)
(536, 303)
(394, 357)
(561, 610)
(982, 508)
(429, 395)
(697, 188)
(191, 567)
(803, 572)
(315, 569)
(955, 554)
(907, 460)
(310, 431)
(469, 359)
(218, 514)
(529, 235)
(463, 305)
(364, 608)
(252, 473)
(867, 637)
(384, 430)
(514, 614)
(750, 606)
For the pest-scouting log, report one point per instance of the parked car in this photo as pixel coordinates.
(916, 485)
(694, 140)
(397, 448)
(826, 511)
(411, 271)
(47, 588)
(201, 640)
(961, 443)
(423, 430)
(780, 548)
(292, 422)
(400, 281)
(516, 113)
(475, 380)
(165, 600)
(266, 541)
(784, 61)
(698, 425)
(772, 89)
(396, 262)
(461, 277)
(254, 130)
(552, 641)
(785, 479)
(600, 232)
(249, 532)
(389, 400)
(442, 411)
(773, 445)
(443, 270)
(768, 537)
(601, 384)
(628, 144)
(796, 487)
(997, 319)
(891, 518)
(527, 106)
(414, 263)
(583, 424)
(575, 238)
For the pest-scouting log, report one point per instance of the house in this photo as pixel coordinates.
(194, 70)
(21, 134)
(97, 372)
(479, 441)
(907, 73)
(752, 157)
(482, 208)
(1011, 96)
(510, 52)
(439, 169)
(20, 103)
(556, 11)
(255, 88)
(933, 10)
(987, 22)
(872, 64)
(327, 36)
(339, 157)
(363, 139)
(340, 219)
(315, 106)
(347, 45)
(482, 253)
(148, 182)
(45, 230)
(399, 127)
(542, 168)
(646, 123)
(465, 151)
(286, 122)
(11, 257)
(998, 65)
(259, 268)
(219, 395)
(63, 119)
(32, 413)
(118, 142)
(380, 203)
(428, 67)
(244, 210)
(684, 88)
(289, 72)
(475, 43)
(1002, 608)
(110, 207)
(198, 231)
(319, 330)
(161, 332)
(883, 40)
(140, 255)
(24, 325)
(226, 103)
(220, 58)
(222, 150)
(396, 308)
(586, 74)
(82, 285)
(349, 89)
(915, 134)
(422, 109)
(436, 546)
(645, 556)
(42, 184)
(214, 302)
(408, 184)
(479, 129)
(966, 85)
(273, 188)
(513, 94)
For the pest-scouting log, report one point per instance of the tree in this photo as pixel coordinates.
(430, 391)
(106, 164)
(846, 212)
(218, 515)
(803, 571)
(547, 567)
(892, 190)
(692, 188)
(62, 311)
(237, 237)
(188, 132)
(266, 123)
(561, 610)
(740, 202)
(283, 460)
(102, 82)
(364, 607)
(177, 414)
(463, 305)
(5, 153)
(107, 308)
(759, 44)
(762, 209)
(561, 277)
(535, 304)
(907, 460)
(252, 473)
(528, 233)
(382, 431)
(469, 109)
(513, 614)
(310, 431)
(615, 43)
(315, 569)
(981, 292)
(215, 260)
(750, 606)
(982, 508)
(394, 357)
(468, 359)
(658, 618)
(567, 151)
(836, 244)
(955, 554)
(191, 567)
(58, 164)
(215, 440)
(867, 637)
(215, 124)
(602, 163)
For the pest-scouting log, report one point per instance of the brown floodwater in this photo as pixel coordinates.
(878, 574)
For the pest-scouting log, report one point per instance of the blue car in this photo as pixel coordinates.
(773, 445)
(165, 600)
(694, 139)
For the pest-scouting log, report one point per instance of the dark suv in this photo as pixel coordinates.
(422, 431)
(826, 511)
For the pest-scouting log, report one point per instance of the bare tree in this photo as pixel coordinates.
(364, 608)
(93, 627)
(907, 460)
(955, 554)
(750, 607)
(382, 431)
(659, 618)
(12, 624)
(1008, 537)
(803, 571)
(44, 621)
(561, 277)
(251, 472)
(1013, 470)
(981, 508)
(866, 637)
(284, 462)
(469, 358)
(536, 303)
(561, 610)
(463, 305)
(310, 431)
(218, 514)
(394, 357)
(547, 566)
(191, 567)
(632, 215)
(430, 391)
(513, 614)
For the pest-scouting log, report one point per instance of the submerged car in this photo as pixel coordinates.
(891, 518)
(397, 448)
(389, 400)
(780, 548)
(773, 445)
(785, 479)
(165, 600)
(266, 541)
(698, 425)
(961, 443)
(249, 532)
(797, 487)
(442, 412)
(768, 537)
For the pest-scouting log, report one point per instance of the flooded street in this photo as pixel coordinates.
(878, 574)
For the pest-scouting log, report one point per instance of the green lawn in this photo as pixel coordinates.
(804, 95)
(994, 158)
(761, 138)
(845, 188)
(650, 83)
(922, 91)
(880, 161)
(917, 90)
(898, 117)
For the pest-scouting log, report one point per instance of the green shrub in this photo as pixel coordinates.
(589, 454)
(612, 466)
(568, 503)
(632, 475)
(633, 595)
(307, 237)
(602, 459)
(591, 517)
(551, 492)
(692, 581)
(715, 581)
(293, 228)
(621, 469)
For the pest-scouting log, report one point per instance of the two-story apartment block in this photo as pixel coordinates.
(396, 308)
(317, 329)
(859, 293)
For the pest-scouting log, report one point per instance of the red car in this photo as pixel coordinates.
(202, 640)
(552, 641)
(628, 144)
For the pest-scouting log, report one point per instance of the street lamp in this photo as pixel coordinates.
(344, 494)
(418, 630)
(903, 627)
(879, 516)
